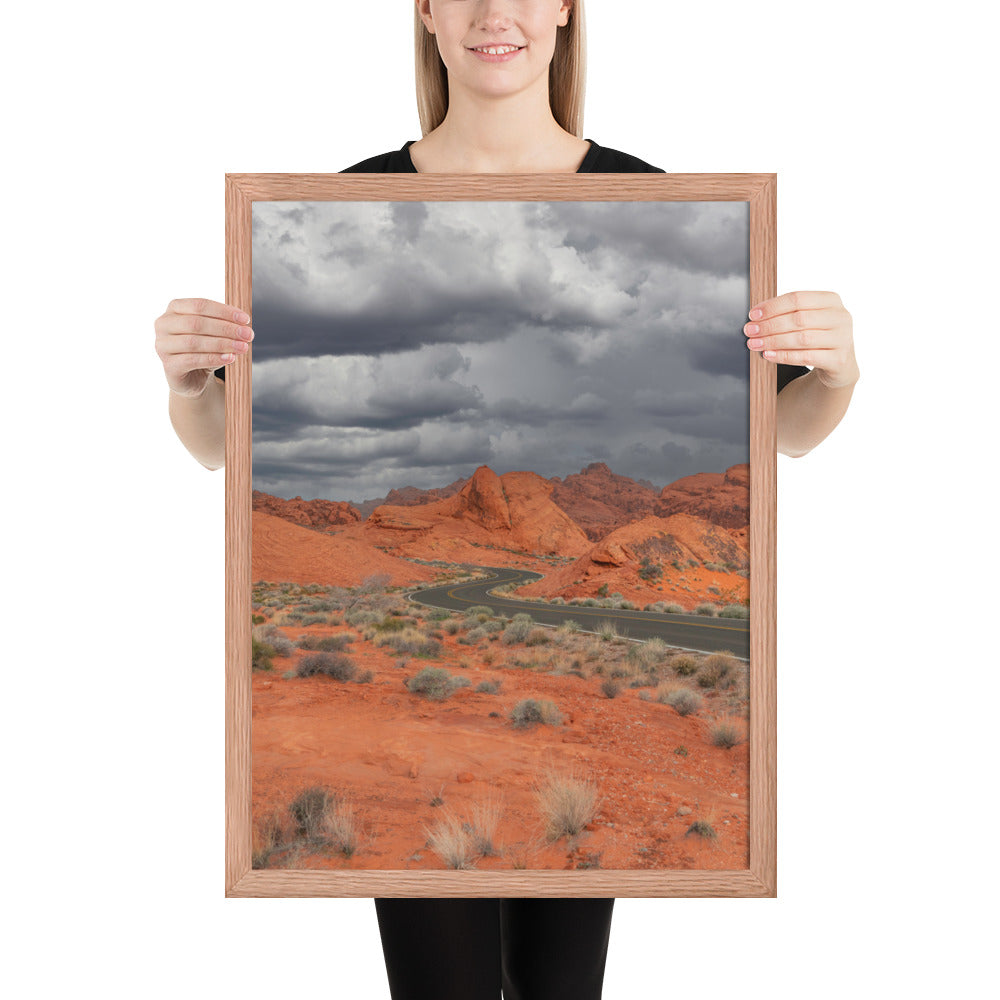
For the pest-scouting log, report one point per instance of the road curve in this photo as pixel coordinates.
(707, 635)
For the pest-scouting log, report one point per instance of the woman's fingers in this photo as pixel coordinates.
(806, 328)
(209, 308)
(793, 301)
(195, 336)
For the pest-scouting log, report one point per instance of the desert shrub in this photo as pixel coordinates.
(567, 803)
(717, 670)
(479, 611)
(474, 636)
(649, 570)
(602, 590)
(266, 838)
(569, 627)
(268, 633)
(673, 609)
(435, 683)
(451, 626)
(607, 631)
(309, 810)
(646, 655)
(518, 630)
(366, 678)
(707, 609)
(715, 567)
(313, 620)
(488, 687)
(261, 654)
(362, 616)
(610, 687)
(412, 642)
(335, 665)
(735, 611)
(529, 711)
(327, 643)
(683, 700)
(725, 733)
(393, 623)
(702, 828)
(683, 664)
(538, 637)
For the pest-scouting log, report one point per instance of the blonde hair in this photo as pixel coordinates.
(567, 74)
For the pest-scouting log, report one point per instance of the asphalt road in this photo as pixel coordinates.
(708, 635)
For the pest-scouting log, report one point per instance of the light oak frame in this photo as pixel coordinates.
(760, 879)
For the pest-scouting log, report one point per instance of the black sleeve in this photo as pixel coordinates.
(788, 372)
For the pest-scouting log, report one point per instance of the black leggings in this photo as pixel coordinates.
(466, 949)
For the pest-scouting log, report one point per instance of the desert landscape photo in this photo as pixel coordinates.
(500, 553)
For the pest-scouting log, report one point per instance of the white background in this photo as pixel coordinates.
(121, 121)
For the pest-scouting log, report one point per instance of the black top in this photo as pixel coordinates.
(599, 160)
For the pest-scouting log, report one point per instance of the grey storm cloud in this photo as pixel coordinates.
(405, 343)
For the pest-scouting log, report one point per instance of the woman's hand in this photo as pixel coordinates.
(806, 328)
(196, 336)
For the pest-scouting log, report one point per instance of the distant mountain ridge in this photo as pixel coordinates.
(597, 500)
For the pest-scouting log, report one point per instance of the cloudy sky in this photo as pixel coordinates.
(405, 343)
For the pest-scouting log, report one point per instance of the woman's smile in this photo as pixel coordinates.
(496, 53)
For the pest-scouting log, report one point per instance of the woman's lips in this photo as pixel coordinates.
(498, 57)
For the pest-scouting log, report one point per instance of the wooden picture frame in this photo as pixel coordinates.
(758, 191)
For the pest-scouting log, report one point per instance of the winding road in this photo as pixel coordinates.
(697, 632)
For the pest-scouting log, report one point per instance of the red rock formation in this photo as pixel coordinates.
(599, 500)
(308, 513)
(616, 561)
(410, 496)
(723, 499)
(282, 551)
(513, 511)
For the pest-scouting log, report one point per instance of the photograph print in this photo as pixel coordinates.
(499, 545)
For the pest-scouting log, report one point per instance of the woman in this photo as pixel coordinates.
(500, 90)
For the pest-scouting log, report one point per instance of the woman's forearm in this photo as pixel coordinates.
(808, 411)
(200, 423)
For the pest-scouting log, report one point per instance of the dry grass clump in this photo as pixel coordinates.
(683, 700)
(485, 821)
(610, 687)
(538, 637)
(435, 683)
(567, 802)
(459, 843)
(327, 643)
(717, 670)
(708, 609)
(261, 655)
(271, 635)
(702, 828)
(726, 732)
(684, 664)
(735, 611)
(531, 710)
(412, 642)
(335, 665)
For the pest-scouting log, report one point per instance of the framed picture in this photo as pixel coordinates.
(500, 540)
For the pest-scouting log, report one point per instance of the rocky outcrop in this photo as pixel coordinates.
(722, 498)
(410, 496)
(308, 513)
(513, 511)
(599, 501)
